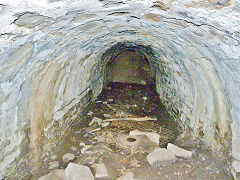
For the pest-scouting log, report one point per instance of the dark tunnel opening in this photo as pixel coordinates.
(129, 66)
(130, 84)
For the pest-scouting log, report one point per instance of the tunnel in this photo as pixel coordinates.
(128, 66)
(56, 57)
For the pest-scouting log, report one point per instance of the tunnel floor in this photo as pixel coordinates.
(107, 132)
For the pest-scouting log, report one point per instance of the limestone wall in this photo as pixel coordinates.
(51, 57)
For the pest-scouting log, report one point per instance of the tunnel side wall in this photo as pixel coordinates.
(49, 64)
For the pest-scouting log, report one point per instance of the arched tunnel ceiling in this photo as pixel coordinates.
(51, 57)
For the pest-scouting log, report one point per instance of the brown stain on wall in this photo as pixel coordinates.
(41, 107)
(179, 73)
(153, 17)
(143, 34)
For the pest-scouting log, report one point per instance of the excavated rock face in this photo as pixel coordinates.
(55, 54)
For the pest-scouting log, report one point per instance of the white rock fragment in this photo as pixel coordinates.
(78, 172)
(74, 148)
(95, 130)
(127, 176)
(107, 115)
(54, 157)
(236, 165)
(81, 144)
(101, 171)
(160, 154)
(236, 169)
(53, 165)
(143, 82)
(154, 137)
(85, 148)
(179, 152)
(58, 174)
(97, 120)
(90, 113)
(68, 157)
(105, 124)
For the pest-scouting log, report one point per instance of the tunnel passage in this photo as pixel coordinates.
(103, 117)
(53, 63)
(92, 72)
(129, 67)
(129, 62)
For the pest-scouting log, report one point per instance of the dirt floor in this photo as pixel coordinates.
(101, 136)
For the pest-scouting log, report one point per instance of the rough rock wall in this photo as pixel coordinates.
(51, 57)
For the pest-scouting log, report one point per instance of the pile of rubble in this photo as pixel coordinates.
(112, 155)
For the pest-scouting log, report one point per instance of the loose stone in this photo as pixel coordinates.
(94, 130)
(236, 169)
(160, 155)
(179, 152)
(78, 172)
(143, 82)
(90, 113)
(101, 171)
(54, 157)
(68, 157)
(85, 148)
(97, 120)
(81, 144)
(107, 115)
(105, 124)
(74, 148)
(236, 165)
(53, 165)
